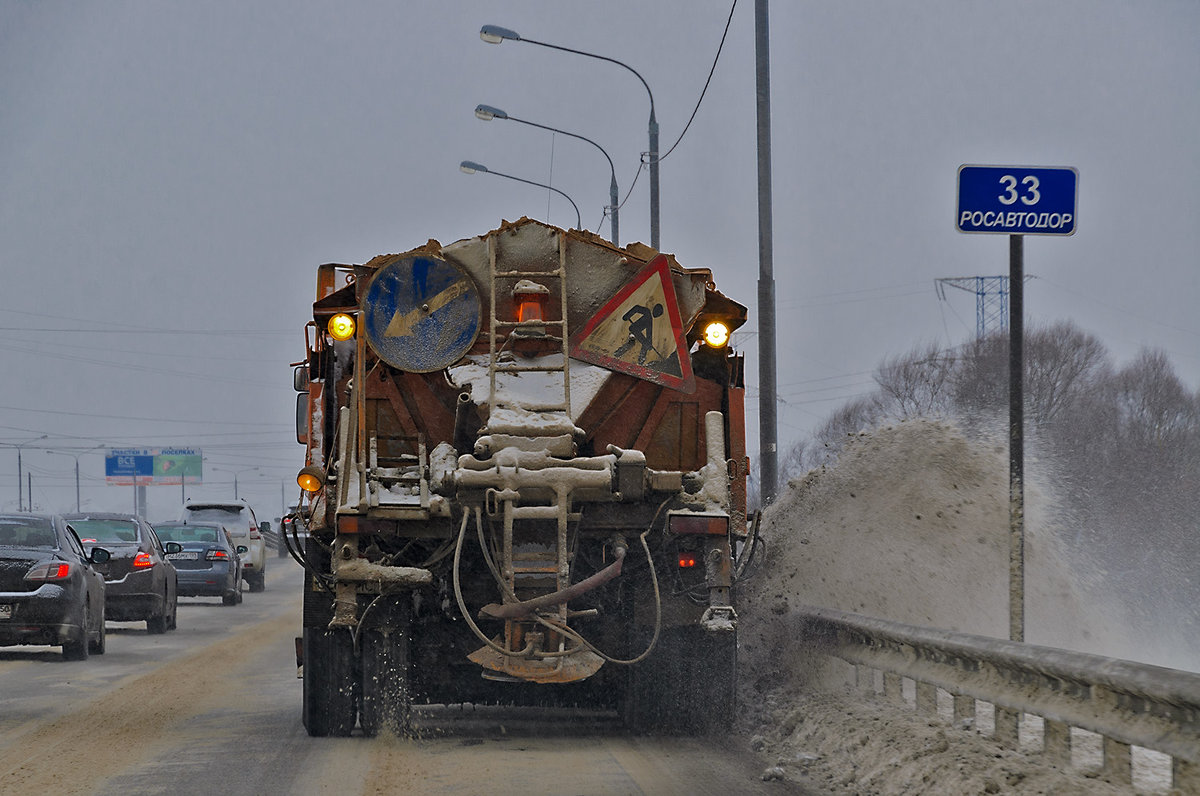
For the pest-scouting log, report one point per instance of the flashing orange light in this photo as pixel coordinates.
(686, 561)
(142, 560)
(341, 326)
(531, 300)
(311, 478)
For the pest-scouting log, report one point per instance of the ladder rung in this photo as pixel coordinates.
(529, 324)
(529, 368)
(555, 274)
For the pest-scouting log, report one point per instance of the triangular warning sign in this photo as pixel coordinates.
(639, 331)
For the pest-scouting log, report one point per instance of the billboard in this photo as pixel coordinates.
(153, 466)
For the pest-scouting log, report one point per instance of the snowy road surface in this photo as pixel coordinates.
(214, 707)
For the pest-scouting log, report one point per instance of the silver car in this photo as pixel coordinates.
(239, 519)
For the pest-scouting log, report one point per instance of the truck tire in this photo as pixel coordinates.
(330, 686)
(386, 701)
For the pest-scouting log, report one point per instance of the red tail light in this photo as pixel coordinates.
(142, 560)
(216, 555)
(686, 561)
(51, 571)
(254, 534)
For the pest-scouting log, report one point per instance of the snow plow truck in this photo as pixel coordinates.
(525, 483)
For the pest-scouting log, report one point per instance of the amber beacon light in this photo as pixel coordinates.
(341, 326)
(311, 479)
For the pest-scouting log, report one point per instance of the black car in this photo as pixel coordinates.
(50, 591)
(208, 563)
(140, 583)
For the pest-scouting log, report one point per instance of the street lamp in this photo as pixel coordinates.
(76, 457)
(236, 473)
(494, 34)
(470, 167)
(19, 446)
(487, 113)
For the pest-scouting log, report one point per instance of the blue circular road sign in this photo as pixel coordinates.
(421, 313)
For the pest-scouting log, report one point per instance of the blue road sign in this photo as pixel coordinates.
(1017, 200)
(421, 313)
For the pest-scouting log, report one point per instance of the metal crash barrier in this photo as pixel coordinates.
(1126, 703)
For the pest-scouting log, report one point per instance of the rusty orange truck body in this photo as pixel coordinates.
(525, 482)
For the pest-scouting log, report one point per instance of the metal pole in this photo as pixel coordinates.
(77, 502)
(614, 201)
(235, 489)
(29, 482)
(653, 132)
(1016, 440)
(767, 424)
(20, 500)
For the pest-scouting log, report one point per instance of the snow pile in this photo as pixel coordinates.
(911, 524)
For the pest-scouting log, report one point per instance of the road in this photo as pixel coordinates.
(214, 707)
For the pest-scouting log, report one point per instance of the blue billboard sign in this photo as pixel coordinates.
(153, 466)
(1017, 200)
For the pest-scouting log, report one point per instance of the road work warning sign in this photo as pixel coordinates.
(639, 331)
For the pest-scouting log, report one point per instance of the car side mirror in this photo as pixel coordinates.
(173, 547)
(242, 549)
(99, 555)
(264, 526)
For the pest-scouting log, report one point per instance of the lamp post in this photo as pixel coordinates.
(75, 456)
(487, 113)
(494, 34)
(470, 167)
(236, 473)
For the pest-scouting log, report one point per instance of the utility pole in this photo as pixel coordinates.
(768, 434)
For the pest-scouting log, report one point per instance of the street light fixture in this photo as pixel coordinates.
(236, 473)
(470, 167)
(487, 113)
(494, 34)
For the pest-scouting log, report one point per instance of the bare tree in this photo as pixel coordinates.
(917, 384)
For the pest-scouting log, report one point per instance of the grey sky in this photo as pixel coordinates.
(173, 172)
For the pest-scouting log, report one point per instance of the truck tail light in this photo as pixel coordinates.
(686, 561)
(142, 560)
(49, 572)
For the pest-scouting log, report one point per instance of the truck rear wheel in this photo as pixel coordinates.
(330, 685)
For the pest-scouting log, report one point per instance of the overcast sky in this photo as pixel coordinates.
(172, 173)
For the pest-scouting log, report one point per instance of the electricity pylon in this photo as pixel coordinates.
(991, 300)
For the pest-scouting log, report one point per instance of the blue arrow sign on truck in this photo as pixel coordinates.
(1017, 200)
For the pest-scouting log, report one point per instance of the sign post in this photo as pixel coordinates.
(1017, 201)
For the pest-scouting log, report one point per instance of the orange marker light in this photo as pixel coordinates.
(686, 561)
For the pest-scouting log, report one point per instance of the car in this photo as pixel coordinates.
(140, 583)
(209, 564)
(50, 590)
(239, 518)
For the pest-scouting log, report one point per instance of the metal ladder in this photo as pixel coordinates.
(502, 331)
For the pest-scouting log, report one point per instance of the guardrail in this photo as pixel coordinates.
(1126, 703)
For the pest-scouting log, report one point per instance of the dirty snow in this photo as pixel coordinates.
(910, 525)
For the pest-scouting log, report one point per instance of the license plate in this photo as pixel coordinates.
(185, 556)
(5, 612)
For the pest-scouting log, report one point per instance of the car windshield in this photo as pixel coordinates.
(105, 530)
(237, 524)
(26, 532)
(187, 533)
